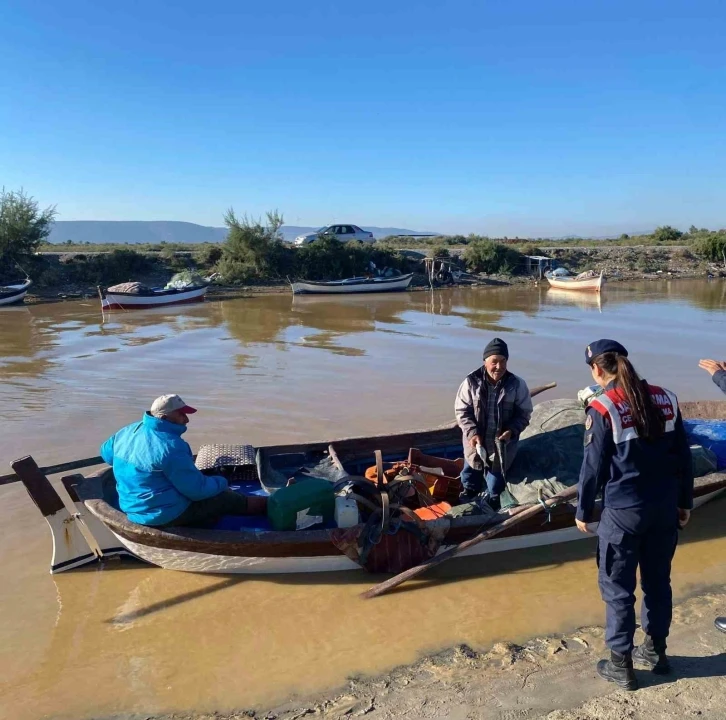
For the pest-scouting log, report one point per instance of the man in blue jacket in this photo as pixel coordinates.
(157, 481)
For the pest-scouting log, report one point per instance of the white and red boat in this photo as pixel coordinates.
(584, 281)
(113, 299)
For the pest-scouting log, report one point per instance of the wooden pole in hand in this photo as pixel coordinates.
(413, 572)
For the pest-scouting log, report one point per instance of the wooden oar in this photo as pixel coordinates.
(88, 462)
(413, 572)
(53, 469)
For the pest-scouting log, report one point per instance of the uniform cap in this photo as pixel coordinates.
(602, 346)
(169, 403)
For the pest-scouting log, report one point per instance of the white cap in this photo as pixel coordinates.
(168, 403)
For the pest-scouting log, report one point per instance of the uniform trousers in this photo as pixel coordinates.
(628, 540)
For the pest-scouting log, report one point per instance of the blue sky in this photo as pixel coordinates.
(531, 117)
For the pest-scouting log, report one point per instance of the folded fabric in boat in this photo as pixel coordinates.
(132, 288)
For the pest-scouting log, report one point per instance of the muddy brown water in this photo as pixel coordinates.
(128, 637)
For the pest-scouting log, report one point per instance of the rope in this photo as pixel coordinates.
(547, 508)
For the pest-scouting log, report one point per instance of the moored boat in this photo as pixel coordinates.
(353, 285)
(584, 281)
(112, 299)
(10, 294)
(255, 548)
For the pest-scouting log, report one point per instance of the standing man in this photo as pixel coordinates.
(637, 455)
(492, 407)
(717, 370)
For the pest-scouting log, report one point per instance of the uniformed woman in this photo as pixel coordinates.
(638, 457)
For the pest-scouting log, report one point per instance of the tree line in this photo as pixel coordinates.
(254, 249)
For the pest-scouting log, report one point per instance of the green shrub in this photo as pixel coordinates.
(440, 252)
(489, 257)
(329, 259)
(666, 234)
(712, 246)
(23, 227)
(253, 250)
(208, 256)
(117, 266)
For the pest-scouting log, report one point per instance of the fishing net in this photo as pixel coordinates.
(550, 452)
(185, 279)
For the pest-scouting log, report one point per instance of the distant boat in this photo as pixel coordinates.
(155, 297)
(353, 285)
(10, 294)
(592, 283)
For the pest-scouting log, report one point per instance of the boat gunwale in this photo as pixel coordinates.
(8, 291)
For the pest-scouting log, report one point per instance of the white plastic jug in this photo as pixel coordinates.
(346, 512)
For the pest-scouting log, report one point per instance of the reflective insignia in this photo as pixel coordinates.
(588, 422)
(589, 352)
(588, 439)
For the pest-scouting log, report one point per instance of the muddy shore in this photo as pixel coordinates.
(618, 263)
(548, 677)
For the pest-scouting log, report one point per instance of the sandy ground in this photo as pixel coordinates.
(551, 678)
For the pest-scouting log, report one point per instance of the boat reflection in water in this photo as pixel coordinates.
(585, 301)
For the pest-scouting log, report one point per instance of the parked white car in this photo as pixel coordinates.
(344, 233)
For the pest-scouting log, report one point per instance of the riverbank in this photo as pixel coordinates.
(548, 677)
(617, 263)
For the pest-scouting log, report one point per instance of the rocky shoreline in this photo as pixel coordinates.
(548, 677)
(618, 263)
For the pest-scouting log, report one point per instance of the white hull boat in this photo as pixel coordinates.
(154, 298)
(352, 285)
(10, 294)
(590, 284)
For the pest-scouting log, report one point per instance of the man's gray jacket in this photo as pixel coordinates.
(514, 409)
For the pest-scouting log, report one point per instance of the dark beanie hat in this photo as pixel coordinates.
(496, 347)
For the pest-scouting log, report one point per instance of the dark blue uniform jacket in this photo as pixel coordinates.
(651, 479)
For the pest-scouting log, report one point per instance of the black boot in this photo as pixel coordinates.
(618, 670)
(720, 623)
(653, 654)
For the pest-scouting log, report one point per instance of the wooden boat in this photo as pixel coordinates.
(10, 294)
(352, 285)
(590, 284)
(108, 532)
(156, 297)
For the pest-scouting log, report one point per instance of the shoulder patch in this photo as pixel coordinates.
(588, 422)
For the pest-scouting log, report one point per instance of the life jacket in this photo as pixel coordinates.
(613, 405)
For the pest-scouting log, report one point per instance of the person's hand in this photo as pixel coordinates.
(683, 517)
(582, 527)
(476, 440)
(712, 366)
(505, 437)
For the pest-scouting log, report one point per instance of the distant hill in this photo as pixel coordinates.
(171, 231)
